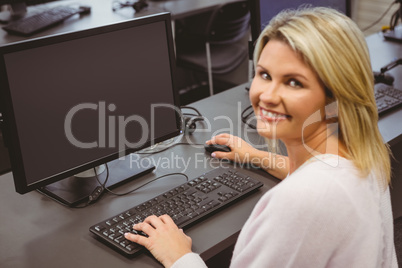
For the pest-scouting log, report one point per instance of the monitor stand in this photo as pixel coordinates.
(17, 11)
(75, 190)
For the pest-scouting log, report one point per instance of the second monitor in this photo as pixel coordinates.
(262, 11)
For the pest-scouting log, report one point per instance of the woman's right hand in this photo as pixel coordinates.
(242, 152)
(163, 239)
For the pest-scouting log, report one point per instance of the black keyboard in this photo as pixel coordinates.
(30, 25)
(186, 204)
(387, 98)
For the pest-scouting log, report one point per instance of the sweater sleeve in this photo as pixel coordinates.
(192, 260)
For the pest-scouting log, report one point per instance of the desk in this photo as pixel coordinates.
(102, 14)
(38, 232)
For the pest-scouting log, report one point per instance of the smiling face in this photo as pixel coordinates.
(284, 93)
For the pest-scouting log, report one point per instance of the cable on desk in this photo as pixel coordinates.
(104, 188)
(103, 185)
(245, 116)
(396, 16)
(189, 120)
(198, 113)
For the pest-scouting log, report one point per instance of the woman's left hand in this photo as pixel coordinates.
(165, 240)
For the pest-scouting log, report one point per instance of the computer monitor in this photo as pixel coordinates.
(262, 11)
(74, 101)
(17, 8)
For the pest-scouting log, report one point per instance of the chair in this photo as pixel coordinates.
(213, 45)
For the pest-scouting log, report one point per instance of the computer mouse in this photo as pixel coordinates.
(210, 148)
(84, 10)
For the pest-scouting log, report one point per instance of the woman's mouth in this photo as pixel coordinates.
(272, 116)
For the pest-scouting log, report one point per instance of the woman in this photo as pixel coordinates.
(313, 90)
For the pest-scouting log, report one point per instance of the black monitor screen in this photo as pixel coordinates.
(262, 11)
(79, 99)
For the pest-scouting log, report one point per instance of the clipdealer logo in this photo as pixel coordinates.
(112, 128)
(122, 122)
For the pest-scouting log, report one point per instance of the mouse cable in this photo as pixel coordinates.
(245, 114)
(104, 188)
(103, 185)
(190, 108)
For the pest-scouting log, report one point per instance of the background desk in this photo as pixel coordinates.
(102, 14)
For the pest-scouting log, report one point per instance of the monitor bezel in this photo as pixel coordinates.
(10, 131)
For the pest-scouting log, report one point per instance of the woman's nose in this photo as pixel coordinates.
(271, 93)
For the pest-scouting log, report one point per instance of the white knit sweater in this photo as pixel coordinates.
(322, 215)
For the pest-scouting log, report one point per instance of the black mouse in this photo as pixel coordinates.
(216, 147)
(84, 10)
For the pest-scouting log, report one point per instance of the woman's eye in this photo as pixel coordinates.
(295, 83)
(265, 76)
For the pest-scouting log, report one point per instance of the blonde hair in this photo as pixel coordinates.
(334, 47)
